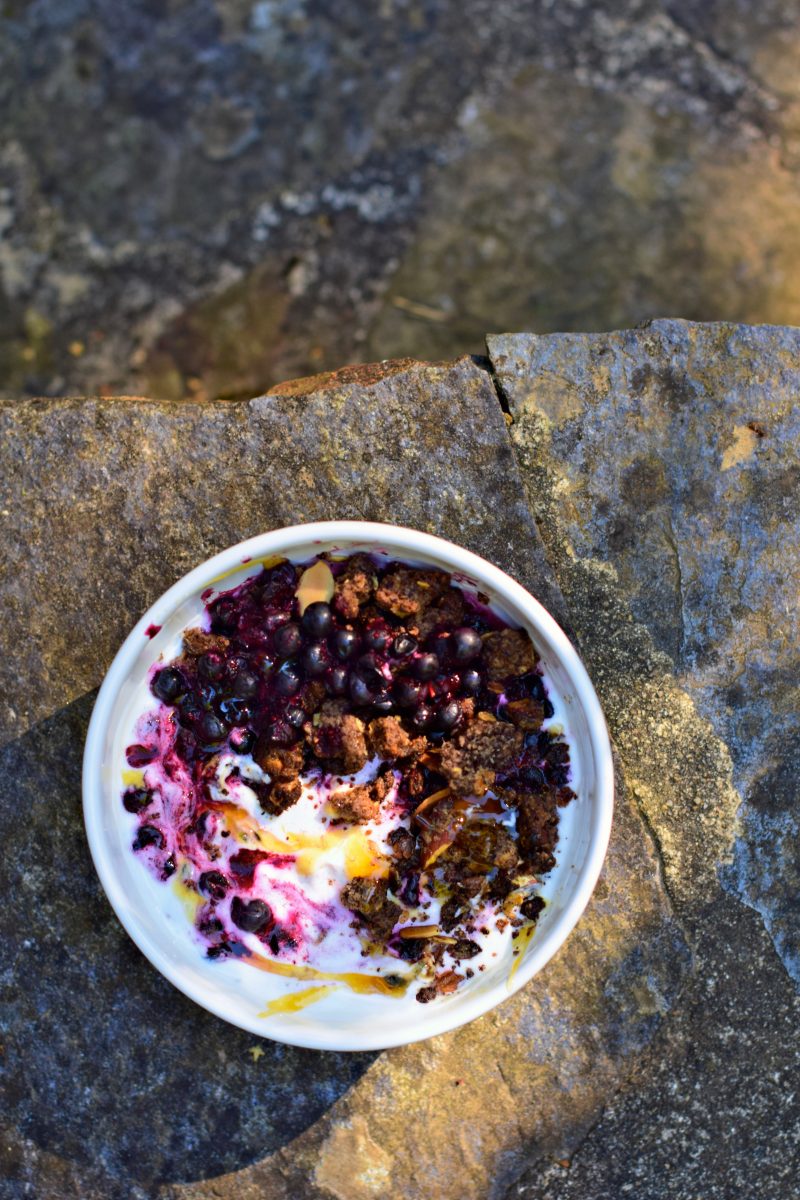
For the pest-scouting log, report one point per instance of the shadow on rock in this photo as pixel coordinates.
(105, 1063)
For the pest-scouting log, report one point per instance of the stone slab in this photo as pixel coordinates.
(661, 466)
(113, 1084)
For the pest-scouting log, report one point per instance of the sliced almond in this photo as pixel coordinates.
(429, 801)
(316, 583)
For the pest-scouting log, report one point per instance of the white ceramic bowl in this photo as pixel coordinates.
(342, 1020)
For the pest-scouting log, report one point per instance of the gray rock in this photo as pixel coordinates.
(674, 455)
(660, 464)
(114, 1084)
(240, 192)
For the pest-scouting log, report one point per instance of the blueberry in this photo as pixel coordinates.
(345, 643)
(212, 730)
(243, 740)
(224, 617)
(188, 710)
(315, 660)
(295, 716)
(422, 717)
(383, 704)
(532, 777)
(548, 708)
(136, 800)
(169, 868)
(317, 619)
(245, 684)
(465, 644)
(148, 835)
(279, 733)
(287, 681)
(336, 681)
(443, 646)
(251, 915)
(206, 694)
(426, 666)
(377, 636)
(403, 645)
(369, 670)
(213, 884)
(168, 685)
(471, 681)
(288, 639)
(266, 665)
(360, 690)
(407, 691)
(448, 716)
(211, 666)
(235, 712)
(411, 949)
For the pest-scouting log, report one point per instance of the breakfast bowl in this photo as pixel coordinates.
(157, 908)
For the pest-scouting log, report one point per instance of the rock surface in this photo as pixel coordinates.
(113, 1084)
(202, 198)
(661, 465)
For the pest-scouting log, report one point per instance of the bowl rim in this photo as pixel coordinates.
(406, 541)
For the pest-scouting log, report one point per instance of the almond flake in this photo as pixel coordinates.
(316, 583)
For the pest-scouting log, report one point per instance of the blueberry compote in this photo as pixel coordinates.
(352, 774)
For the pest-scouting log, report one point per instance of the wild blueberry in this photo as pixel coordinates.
(245, 684)
(213, 884)
(212, 730)
(466, 645)
(243, 740)
(136, 800)
(426, 666)
(443, 646)
(168, 685)
(345, 643)
(279, 733)
(169, 868)
(266, 664)
(188, 710)
(383, 704)
(448, 716)
(403, 645)
(422, 717)
(336, 681)
(471, 681)
(295, 716)
(532, 777)
(211, 666)
(377, 636)
(411, 949)
(548, 708)
(367, 667)
(206, 694)
(235, 712)
(360, 690)
(224, 617)
(317, 619)
(315, 660)
(251, 915)
(148, 835)
(288, 639)
(407, 691)
(287, 680)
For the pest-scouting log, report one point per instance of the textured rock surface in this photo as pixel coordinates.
(113, 1084)
(107, 503)
(206, 196)
(661, 466)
